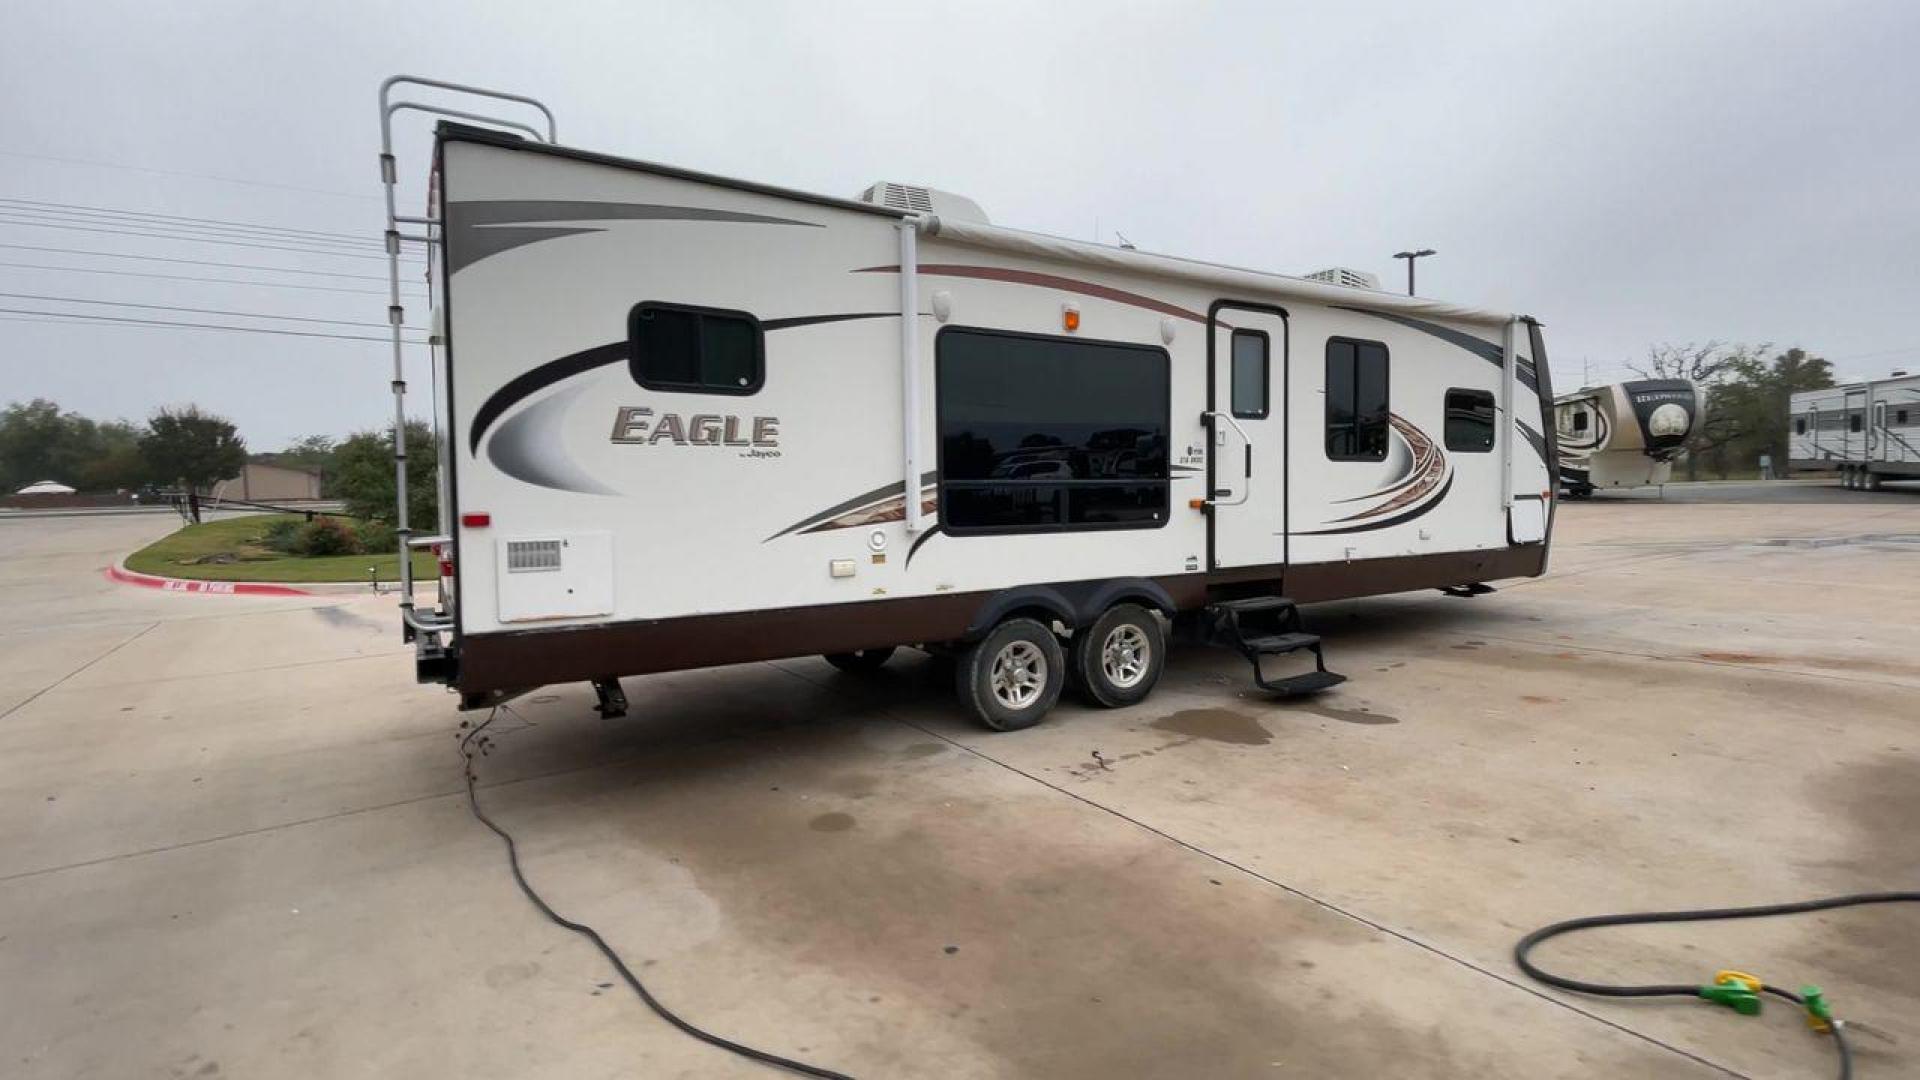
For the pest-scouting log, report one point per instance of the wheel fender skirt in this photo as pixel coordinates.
(1076, 604)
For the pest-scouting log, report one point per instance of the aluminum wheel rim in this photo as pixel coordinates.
(1125, 655)
(1019, 674)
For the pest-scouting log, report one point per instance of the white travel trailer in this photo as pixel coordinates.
(687, 420)
(1868, 431)
(1625, 435)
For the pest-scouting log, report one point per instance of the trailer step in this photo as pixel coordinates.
(1256, 603)
(1310, 682)
(1274, 644)
(1260, 626)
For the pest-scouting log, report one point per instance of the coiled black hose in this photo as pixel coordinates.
(1527, 944)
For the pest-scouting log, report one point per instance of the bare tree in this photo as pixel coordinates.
(1704, 364)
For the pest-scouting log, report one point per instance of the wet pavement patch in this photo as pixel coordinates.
(1216, 725)
(834, 822)
(1348, 716)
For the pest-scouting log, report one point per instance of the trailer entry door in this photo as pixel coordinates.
(1247, 435)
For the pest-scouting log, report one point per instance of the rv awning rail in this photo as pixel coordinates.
(1230, 278)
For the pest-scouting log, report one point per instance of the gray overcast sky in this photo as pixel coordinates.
(1628, 172)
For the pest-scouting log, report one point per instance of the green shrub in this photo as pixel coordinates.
(282, 534)
(326, 536)
(376, 537)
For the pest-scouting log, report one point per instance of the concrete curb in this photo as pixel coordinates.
(124, 576)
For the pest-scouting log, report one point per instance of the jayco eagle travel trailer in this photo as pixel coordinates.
(1867, 431)
(685, 420)
(1625, 435)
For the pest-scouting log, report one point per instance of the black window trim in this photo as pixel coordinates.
(1493, 423)
(940, 450)
(1340, 339)
(1266, 373)
(759, 349)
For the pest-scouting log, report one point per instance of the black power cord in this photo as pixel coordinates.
(473, 741)
(1730, 988)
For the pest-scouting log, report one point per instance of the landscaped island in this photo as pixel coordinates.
(279, 547)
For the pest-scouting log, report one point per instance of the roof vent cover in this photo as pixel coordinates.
(913, 199)
(1352, 279)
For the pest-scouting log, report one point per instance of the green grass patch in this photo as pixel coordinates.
(192, 553)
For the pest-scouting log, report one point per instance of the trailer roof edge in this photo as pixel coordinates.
(450, 131)
(1021, 241)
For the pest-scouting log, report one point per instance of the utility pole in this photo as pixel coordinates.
(1410, 256)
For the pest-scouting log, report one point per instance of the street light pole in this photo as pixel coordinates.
(1410, 256)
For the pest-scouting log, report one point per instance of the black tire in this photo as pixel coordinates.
(1100, 664)
(1033, 670)
(858, 662)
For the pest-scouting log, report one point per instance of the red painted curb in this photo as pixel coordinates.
(223, 588)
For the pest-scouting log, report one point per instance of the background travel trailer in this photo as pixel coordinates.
(1866, 431)
(1625, 435)
(684, 423)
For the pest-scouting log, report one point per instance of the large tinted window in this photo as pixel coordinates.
(695, 350)
(1356, 400)
(1249, 374)
(1050, 433)
(1469, 425)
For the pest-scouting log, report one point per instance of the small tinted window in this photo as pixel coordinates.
(1356, 400)
(1800, 426)
(1469, 424)
(1580, 421)
(695, 350)
(1853, 422)
(1900, 417)
(1250, 374)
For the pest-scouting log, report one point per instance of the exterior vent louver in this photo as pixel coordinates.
(1352, 279)
(527, 556)
(914, 199)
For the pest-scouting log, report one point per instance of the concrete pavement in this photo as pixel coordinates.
(236, 840)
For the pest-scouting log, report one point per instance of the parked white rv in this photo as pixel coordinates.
(1867, 431)
(686, 420)
(1625, 435)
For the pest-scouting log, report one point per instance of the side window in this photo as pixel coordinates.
(1580, 421)
(1853, 421)
(1050, 434)
(1469, 424)
(695, 350)
(1250, 349)
(1900, 417)
(1800, 425)
(1356, 400)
